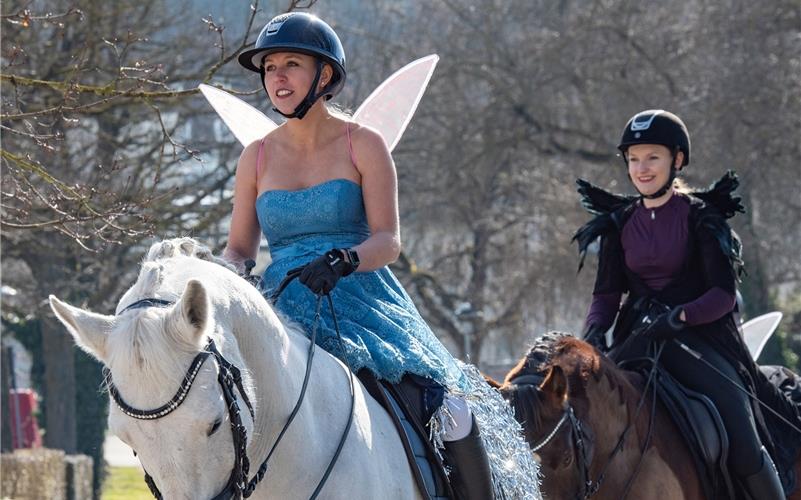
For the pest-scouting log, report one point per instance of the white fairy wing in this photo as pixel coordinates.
(247, 123)
(757, 331)
(390, 107)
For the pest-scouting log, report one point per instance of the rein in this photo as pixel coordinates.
(230, 377)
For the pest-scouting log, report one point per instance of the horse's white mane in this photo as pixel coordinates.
(192, 248)
(185, 246)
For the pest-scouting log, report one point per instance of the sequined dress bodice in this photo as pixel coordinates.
(380, 325)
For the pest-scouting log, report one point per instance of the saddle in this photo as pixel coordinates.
(702, 427)
(411, 404)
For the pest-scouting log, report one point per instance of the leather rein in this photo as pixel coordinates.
(230, 379)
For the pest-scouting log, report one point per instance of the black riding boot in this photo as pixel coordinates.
(765, 483)
(470, 475)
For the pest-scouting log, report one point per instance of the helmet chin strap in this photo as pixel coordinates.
(308, 101)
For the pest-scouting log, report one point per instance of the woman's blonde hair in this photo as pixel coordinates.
(681, 186)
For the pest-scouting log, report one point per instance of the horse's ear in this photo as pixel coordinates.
(90, 330)
(555, 385)
(191, 314)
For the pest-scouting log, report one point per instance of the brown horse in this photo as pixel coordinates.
(593, 430)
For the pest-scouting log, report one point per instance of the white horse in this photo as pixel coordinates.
(190, 451)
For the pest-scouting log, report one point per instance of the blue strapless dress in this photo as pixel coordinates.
(381, 328)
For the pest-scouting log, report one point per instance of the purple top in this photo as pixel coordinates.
(654, 242)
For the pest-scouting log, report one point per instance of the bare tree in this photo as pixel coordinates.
(97, 102)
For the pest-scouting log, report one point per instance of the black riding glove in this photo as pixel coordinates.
(665, 326)
(595, 336)
(321, 274)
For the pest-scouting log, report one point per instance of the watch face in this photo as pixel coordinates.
(353, 257)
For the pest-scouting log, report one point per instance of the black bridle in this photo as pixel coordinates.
(229, 378)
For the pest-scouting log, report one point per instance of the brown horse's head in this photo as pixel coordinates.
(552, 376)
(575, 406)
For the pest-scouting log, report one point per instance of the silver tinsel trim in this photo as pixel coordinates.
(515, 474)
(436, 430)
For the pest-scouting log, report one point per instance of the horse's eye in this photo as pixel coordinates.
(214, 427)
(567, 459)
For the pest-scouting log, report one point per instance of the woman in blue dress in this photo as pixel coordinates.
(325, 196)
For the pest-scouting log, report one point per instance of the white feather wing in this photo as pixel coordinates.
(391, 105)
(247, 123)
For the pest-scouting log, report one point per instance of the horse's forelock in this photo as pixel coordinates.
(140, 349)
(146, 344)
(527, 405)
(139, 343)
(538, 358)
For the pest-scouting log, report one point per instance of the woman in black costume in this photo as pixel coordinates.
(678, 260)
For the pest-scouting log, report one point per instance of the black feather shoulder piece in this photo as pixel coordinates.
(608, 209)
(598, 201)
(713, 206)
(721, 196)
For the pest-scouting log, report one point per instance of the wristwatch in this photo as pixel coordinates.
(353, 257)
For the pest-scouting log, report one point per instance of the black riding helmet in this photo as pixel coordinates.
(657, 126)
(307, 34)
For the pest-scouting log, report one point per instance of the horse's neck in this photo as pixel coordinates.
(611, 409)
(274, 358)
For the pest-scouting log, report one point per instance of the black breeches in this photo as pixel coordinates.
(732, 403)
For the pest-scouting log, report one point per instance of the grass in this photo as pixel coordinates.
(126, 483)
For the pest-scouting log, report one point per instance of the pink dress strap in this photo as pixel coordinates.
(350, 144)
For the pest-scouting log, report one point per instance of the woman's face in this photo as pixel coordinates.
(288, 76)
(649, 166)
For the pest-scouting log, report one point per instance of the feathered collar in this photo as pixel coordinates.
(714, 205)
